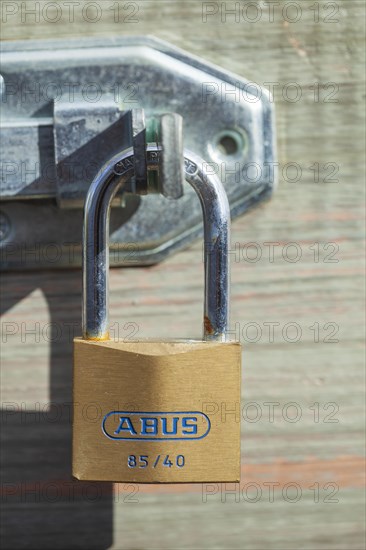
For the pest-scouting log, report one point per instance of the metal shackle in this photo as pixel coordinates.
(216, 214)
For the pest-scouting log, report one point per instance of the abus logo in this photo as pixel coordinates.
(155, 426)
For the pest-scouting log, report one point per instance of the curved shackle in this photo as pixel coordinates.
(216, 214)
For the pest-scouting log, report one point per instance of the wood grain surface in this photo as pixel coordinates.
(303, 467)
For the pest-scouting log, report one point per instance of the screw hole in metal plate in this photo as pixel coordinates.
(230, 145)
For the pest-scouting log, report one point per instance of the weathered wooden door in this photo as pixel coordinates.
(297, 289)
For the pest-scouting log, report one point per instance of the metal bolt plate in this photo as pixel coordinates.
(225, 121)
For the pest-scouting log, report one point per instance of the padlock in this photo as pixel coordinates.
(151, 411)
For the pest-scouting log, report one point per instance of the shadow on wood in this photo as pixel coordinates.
(42, 505)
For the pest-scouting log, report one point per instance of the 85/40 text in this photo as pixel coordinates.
(144, 461)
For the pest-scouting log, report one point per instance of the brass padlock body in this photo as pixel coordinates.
(156, 412)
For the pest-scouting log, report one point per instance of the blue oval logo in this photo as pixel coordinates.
(155, 426)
